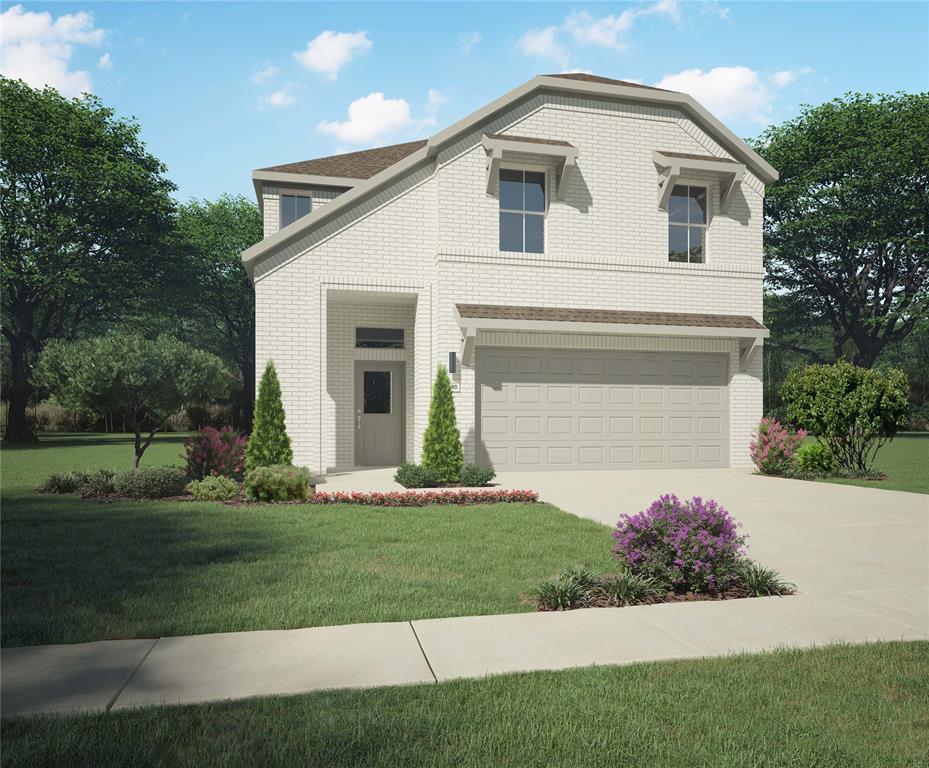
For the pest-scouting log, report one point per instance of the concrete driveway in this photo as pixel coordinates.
(861, 544)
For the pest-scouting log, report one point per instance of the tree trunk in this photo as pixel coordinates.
(140, 446)
(17, 428)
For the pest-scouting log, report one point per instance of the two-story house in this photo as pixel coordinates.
(583, 254)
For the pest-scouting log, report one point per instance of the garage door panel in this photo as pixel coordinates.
(583, 409)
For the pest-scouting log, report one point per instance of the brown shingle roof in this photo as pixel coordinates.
(352, 165)
(604, 80)
(619, 316)
(690, 156)
(507, 137)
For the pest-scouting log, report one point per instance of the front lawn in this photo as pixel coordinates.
(75, 570)
(838, 707)
(904, 460)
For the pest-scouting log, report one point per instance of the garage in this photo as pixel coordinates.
(583, 409)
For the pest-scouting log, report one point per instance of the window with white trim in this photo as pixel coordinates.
(293, 207)
(687, 217)
(522, 211)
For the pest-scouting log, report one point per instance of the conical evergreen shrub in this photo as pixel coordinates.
(268, 444)
(442, 442)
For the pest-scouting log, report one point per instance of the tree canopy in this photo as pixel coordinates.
(84, 215)
(148, 380)
(846, 225)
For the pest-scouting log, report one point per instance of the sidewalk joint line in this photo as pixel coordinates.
(673, 636)
(423, 651)
(132, 675)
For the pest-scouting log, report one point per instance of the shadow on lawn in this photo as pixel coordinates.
(75, 570)
(89, 440)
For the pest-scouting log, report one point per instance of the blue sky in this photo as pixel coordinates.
(221, 88)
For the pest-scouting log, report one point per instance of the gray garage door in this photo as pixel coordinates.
(575, 409)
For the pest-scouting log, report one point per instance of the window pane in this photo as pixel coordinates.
(377, 391)
(696, 244)
(677, 243)
(379, 338)
(287, 210)
(511, 189)
(535, 229)
(697, 205)
(511, 232)
(535, 191)
(677, 205)
(302, 206)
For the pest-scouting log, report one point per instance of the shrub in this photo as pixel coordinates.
(442, 450)
(774, 447)
(474, 476)
(269, 444)
(151, 482)
(853, 410)
(280, 482)
(64, 482)
(763, 582)
(684, 545)
(626, 588)
(213, 488)
(572, 588)
(416, 476)
(461, 498)
(99, 483)
(814, 458)
(215, 452)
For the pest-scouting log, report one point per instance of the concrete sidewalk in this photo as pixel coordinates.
(119, 674)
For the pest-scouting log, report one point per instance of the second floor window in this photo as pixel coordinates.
(293, 207)
(522, 211)
(687, 224)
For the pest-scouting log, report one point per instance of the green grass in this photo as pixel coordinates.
(838, 707)
(904, 460)
(75, 570)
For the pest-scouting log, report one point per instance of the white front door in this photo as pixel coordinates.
(379, 413)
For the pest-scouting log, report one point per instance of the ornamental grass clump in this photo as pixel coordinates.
(775, 447)
(686, 546)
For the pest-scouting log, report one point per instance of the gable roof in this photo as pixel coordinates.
(590, 86)
(352, 165)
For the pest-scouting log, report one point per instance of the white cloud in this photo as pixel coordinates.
(373, 117)
(613, 31)
(467, 40)
(784, 77)
(280, 98)
(261, 75)
(329, 51)
(38, 49)
(435, 99)
(544, 44)
(728, 92)
(105, 64)
(713, 8)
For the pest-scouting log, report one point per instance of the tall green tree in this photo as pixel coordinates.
(442, 441)
(147, 380)
(84, 215)
(219, 298)
(846, 224)
(268, 444)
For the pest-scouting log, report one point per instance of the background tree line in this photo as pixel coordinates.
(94, 243)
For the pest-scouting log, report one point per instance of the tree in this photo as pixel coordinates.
(442, 442)
(268, 444)
(148, 380)
(84, 211)
(210, 238)
(845, 225)
(854, 410)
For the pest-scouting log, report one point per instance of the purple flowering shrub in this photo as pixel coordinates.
(215, 452)
(687, 546)
(774, 448)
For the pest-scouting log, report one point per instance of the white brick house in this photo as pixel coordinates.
(585, 253)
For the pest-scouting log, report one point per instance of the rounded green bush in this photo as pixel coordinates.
(151, 482)
(814, 458)
(279, 482)
(213, 488)
(416, 476)
(474, 476)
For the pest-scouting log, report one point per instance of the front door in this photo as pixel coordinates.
(379, 413)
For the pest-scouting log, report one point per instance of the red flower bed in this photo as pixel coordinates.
(422, 498)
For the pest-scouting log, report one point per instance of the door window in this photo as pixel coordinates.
(377, 391)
